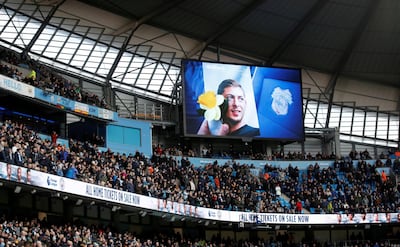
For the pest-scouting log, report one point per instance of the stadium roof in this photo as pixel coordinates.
(356, 38)
(137, 46)
(348, 50)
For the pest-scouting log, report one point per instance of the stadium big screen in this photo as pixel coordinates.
(266, 100)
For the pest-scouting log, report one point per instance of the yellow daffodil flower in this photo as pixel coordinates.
(210, 102)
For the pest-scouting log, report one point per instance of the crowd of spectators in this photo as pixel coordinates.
(40, 233)
(43, 77)
(228, 186)
(345, 188)
(245, 153)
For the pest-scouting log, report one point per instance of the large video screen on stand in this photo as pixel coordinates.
(242, 101)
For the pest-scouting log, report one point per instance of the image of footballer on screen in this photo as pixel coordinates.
(231, 115)
(242, 101)
(220, 100)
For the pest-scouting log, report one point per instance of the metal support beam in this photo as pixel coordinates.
(330, 89)
(137, 23)
(42, 27)
(133, 26)
(296, 31)
(226, 27)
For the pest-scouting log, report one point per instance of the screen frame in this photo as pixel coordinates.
(300, 133)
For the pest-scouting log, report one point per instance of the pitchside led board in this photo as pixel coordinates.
(263, 102)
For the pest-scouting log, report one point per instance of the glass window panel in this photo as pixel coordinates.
(153, 87)
(370, 124)
(20, 42)
(130, 77)
(38, 48)
(144, 76)
(52, 50)
(31, 28)
(311, 110)
(78, 60)
(158, 76)
(346, 120)
(106, 66)
(91, 67)
(357, 128)
(382, 128)
(126, 57)
(112, 53)
(122, 66)
(71, 44)
(97, 54)
(50, 54)
(60, 36)
(26, 37)
(137, 62)
(87, 46)
(322, 114)
(167, 88)
(334, 117)
(55, 45)
(345, 127)
(83, 53)
(141, 83)
(2, 24)
(370, 131)
(47, 32)
(4, 15)
(10, 33)
(18, 22)
(358, 122)
(43, 39)
(67, 51)
(64, 58)
(394, 128)
(8, 37)
(108, 60)
(309, 120)
(103, 71)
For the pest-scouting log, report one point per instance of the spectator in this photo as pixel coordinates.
(31, 77)
(299, 207)
(72, 172)
(54, 137)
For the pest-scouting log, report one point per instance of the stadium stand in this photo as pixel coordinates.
(35, 232)
(229, 186)
(40, 76)
(358, 183)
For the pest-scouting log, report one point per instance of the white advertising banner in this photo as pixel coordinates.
(16, 86)
(71, 186)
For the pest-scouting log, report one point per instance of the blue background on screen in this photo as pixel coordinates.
(194, 86)
(272, 125)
